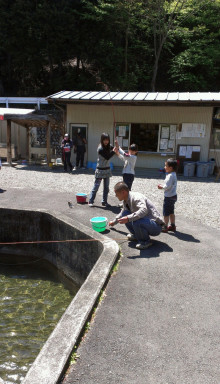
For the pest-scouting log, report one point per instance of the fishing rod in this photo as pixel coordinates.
(106, 88)
(55, 241)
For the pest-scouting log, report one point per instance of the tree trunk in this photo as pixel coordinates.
(155, 70)
(126, 53)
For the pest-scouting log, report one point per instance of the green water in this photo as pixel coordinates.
(33, 297)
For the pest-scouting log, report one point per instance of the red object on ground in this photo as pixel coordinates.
(81, 198)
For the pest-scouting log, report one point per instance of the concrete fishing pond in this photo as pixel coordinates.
(51, 238)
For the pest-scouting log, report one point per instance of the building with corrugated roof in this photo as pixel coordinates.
(162, 124)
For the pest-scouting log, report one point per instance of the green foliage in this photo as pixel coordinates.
(50, 45)
(74, 356)
(196, 64)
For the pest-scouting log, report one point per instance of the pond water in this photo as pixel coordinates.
(33, 297)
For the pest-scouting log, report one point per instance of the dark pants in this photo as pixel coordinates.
(96, 187)
(80, 152)
(67, 156)
(128, 179)
(143, 228)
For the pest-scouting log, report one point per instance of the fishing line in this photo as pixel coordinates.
(51, 241)
(56, 241)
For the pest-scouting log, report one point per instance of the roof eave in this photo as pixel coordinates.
(154, 103)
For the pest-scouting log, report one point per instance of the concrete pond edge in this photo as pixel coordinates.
(51, 361)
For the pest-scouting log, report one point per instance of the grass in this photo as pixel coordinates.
(75, 356)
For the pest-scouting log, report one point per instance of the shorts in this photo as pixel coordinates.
(168, 205)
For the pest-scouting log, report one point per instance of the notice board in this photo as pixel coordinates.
(187, 153)
(167, 138)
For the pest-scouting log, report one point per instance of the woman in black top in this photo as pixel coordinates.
(103, 170)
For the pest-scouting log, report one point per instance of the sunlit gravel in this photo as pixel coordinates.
(198, 198)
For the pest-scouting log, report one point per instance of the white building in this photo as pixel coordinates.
(182, 125)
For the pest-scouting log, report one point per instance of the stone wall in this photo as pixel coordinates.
(76, 259)
(39, 140)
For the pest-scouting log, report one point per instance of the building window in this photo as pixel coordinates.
(123, 134)
(145, 136)
(149, 137)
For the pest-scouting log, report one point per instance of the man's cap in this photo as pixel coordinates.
(66, 134)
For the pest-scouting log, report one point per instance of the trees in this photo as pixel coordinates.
(119, 51)
(36, 40)
(129, 45)
(196, 63)
(163, 17)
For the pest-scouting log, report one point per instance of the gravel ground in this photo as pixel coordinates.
(198, 198)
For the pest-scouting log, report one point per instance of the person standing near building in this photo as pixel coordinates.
(79, 149)
(170, 195)
(67, 146)
(129, 162)
(103, 170)
(139, 215)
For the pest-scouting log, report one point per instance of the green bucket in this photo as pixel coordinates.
(99, 223)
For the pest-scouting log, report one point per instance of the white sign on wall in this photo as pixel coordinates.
(167, 138)
(193, 130)
(122, 130)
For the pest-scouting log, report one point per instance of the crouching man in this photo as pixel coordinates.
(139, 215)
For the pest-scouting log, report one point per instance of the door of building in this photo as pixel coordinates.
(83, 130)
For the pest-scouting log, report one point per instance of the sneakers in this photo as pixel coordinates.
(120, 205)
(105, 204)
(172, 228)
(131, 237)
(143, 246)
(164, 229)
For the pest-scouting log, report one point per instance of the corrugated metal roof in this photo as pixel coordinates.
(136, 96)
(110, 95)
(15, 111)
(130, 96)
(150, 96)
(99, 96)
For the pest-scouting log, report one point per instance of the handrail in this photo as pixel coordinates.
(23, 100)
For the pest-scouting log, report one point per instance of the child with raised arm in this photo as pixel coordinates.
(170, 195)
(129, 162)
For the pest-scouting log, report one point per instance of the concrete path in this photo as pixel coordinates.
(159, 320)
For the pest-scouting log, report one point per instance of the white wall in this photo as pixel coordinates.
(100, 119)
(14, 135)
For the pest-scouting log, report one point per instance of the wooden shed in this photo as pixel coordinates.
(28, 118)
